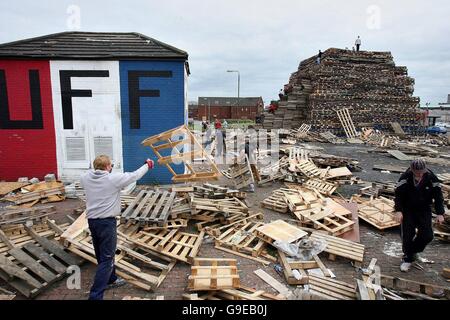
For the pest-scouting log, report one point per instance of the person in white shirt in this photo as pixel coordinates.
(102, 189)
(358, 44)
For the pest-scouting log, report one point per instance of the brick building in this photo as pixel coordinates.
(67, 97)
(229, 108)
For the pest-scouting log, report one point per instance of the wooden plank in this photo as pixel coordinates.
(39, 253)
(281, 288)
(7, 187)
(391, 168)
(362, 290)
(55, 248)
(31, 263)
(399, 155)
(280, 231)
(129, 211)
(12, 270)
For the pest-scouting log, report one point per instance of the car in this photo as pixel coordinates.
(436, 130)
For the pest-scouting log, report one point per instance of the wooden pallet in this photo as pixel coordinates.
(138, 265)
(242, 174)
(323, 187)
(150, 207)
(178, 245)
(242, 238)
(184, 149)
(34, 266)
(213, 274)
(331, 289)
(274, 169)
(276, 201)
(227, 206)
(18, 216)
(296, 155)
(304, 128)
(279, 231)
(347, 123)
(341, 247)
(171, 224)
(216, 231)
(324, 219)
(379, 212)
(415, 289)
(212, 191)
(308, 168)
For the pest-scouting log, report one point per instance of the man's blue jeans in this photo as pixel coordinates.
(104, 238)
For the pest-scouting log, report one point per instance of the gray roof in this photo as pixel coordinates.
(229, 101)
(91, 45)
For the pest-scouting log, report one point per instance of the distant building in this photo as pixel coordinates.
(441, 112)
(229, 108)
(193, 111)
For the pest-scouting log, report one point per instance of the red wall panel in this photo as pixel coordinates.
(26, 151)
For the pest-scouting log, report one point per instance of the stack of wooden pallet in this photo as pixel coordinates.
(375, 91)
(43, 192)
(212, 191)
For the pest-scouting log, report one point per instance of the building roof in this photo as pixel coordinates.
(91, 45)
(229, 101)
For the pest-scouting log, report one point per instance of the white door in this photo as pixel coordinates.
(86, 100)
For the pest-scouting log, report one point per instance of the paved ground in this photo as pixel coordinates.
(385, 246)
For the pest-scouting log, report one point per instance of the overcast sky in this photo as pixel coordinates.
(264, 40)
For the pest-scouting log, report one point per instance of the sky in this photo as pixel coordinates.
(264, 40)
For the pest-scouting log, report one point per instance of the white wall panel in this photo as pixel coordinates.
(93, 117)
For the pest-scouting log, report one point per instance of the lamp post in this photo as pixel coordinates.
(239, 83)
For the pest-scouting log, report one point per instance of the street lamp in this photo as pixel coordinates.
(239, 83)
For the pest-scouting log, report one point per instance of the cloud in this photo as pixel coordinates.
(264, 40)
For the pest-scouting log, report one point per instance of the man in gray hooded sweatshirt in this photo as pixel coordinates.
(102, 206)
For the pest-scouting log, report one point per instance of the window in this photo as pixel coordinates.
(103, 145)
(75, 149)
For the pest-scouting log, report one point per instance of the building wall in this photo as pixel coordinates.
(84, 108)
(27, 135)
(153, 100)
(86, 97)
(244, 112)
(443, 113)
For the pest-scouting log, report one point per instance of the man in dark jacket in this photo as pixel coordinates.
(414, 195)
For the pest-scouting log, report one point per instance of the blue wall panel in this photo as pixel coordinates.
(161, 85)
